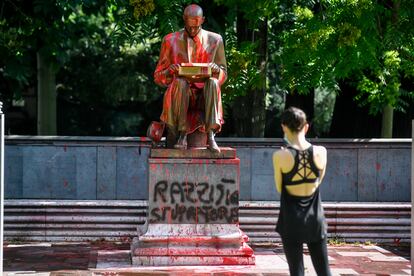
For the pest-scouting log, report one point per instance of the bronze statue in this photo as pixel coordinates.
(192, 104)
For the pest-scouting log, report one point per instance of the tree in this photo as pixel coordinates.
(368, 42)
(92, 51)
(48, 33)
(247, 54)
(39, 25)
(381, 87)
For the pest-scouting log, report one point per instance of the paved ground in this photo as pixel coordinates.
(113, 259)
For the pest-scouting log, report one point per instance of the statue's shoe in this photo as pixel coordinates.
(180, 146)
(212, 145)
(181, 143)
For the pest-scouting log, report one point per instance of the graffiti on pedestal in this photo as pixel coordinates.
(194, 202)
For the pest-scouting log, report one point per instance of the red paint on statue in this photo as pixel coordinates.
(174, 51)
(378, 166)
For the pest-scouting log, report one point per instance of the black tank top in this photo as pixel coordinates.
(301, 218)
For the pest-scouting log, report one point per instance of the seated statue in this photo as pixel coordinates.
(192, 105)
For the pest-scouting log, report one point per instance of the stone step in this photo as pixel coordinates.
(192, 260)
(225, 153)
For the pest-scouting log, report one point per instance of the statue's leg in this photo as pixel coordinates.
(179, 106)
(180, 102)
(211, 97)
(175, 107)
(172, 137)
(212, 120)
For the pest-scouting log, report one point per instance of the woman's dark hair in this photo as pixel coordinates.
(294, 118)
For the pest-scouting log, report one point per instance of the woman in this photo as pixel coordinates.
(299, 168)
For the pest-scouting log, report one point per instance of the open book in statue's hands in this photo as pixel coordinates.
(195, 72)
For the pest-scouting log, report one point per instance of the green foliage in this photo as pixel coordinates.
(98, 52)
(253, 11)
(105, 52)
(384, 86)
(111, 71)
(158, 17)
(243, 74)
(15, 67)
(312, 46)
(364, 40)
(52, 28)
(169, 15)
(142, 7)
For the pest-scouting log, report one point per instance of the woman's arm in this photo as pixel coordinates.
(320, 159)
(277, 171)
(283, 162)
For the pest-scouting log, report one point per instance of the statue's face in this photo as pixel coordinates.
(193, 24)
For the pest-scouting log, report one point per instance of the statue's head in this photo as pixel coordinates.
(193, 19)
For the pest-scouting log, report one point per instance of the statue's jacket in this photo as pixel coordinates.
(174, 51)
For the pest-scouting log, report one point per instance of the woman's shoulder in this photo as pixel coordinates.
(321, 150)
(320, 156)
(283, 159)
(283, 155)
(283, 151)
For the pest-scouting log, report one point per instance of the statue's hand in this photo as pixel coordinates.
(173, 69)
(215, 69)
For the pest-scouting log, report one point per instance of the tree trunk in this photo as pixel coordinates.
(388, 111)
(46, 96)
(259, 94)
(250, 111)
(387, 121)
(241, 111)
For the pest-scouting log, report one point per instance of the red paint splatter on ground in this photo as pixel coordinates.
(229, 261)
(126, 239)
(397, 241)
(110, 273)
(247, 250)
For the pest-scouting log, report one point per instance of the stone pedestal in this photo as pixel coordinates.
(195, 140)
(193, 209)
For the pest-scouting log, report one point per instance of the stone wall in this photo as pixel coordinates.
(376, 170)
